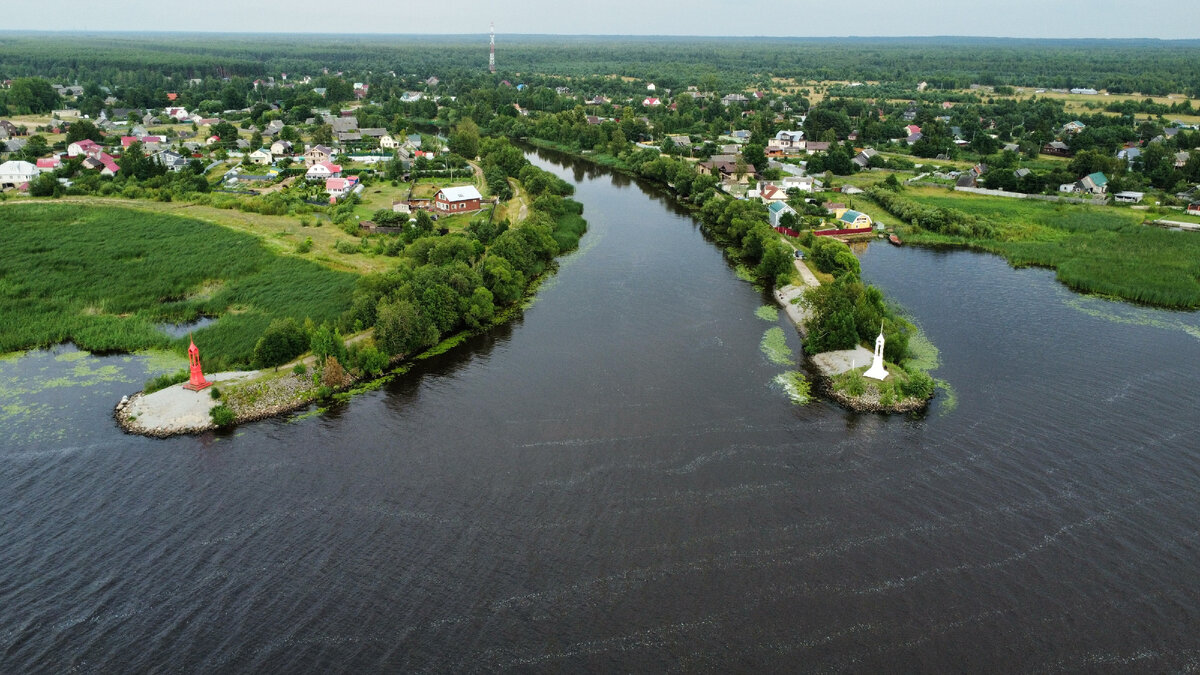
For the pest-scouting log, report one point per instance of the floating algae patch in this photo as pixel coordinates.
(1130, 316)
(160, 361)
(774, 345)
(767, 313)
(71, 357)
(923, 354)
(950, 402)
(796, 386)
(745, 273)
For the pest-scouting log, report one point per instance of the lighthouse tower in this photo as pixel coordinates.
(877, 371)
(492, 54)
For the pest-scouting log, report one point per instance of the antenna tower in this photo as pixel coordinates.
(492, 54)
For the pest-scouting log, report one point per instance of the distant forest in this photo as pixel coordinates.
(164, 60)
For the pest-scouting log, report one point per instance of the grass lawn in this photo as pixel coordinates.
(1098, 249)
(103, 276)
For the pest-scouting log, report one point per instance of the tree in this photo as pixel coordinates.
(45, 185)
(283, 341)
(756, 156)
(464, 140)
(401, 328)
(83, 130)
(226, 132)
(323, 135)
(29, 95)
(35, 147)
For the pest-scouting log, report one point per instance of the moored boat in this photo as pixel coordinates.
(894, 240)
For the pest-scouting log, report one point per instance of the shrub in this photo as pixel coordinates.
(165, 380)
(305, 246)
(333, 375)
(918, 385)
(283, 341)
(346, 246)
(215, 394)
(299, 369)
(222, 415)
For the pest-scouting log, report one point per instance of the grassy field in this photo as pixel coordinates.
(1096, 249)
(103, 277)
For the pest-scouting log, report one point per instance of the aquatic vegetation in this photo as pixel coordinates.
(1129, 316)
(767, 313)
(949, 397)
(774, 345)
(796, 386)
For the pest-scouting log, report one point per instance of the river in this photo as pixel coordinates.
(613, 483)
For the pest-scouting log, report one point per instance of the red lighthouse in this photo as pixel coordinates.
(197, 381)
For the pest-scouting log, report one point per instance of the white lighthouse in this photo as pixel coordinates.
(877, 371)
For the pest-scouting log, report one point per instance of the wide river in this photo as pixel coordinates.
(614, 483)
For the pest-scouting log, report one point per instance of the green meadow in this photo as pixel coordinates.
(103, 277)
(1095, 249)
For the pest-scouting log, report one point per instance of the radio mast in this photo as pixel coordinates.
(492, 54)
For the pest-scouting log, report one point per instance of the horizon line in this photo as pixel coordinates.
(44, 31)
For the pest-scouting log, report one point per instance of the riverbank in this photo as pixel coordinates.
(257, 395)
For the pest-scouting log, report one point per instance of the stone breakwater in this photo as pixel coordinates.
(250, 395)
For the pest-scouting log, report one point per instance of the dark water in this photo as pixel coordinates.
(613, 483)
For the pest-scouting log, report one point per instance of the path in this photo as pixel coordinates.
(176, 410)
(788, 296)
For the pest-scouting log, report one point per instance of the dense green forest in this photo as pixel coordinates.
(169, 60)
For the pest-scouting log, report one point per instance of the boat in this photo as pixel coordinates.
(894, 240)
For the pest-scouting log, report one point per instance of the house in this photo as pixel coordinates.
(776, 210)
(850, 219)
(966, 180)
(339, 187)
(16, 173)
(348, 137)
(730, 99)
(1181, 158)
(912, 129)
(281, 147)
(1194, 209)
(273, 128)
(1129, 154)
(1021, 173)
(1073, 127)
(110, 167)
(127, 141)
(1095, 183)
(681, 141)
(913, 138)
(1129, 197)
(323, 170)
(786, 143)
(771, 193)
(172, 161)
(86, 147)
(317, 154)
(261, 156)
(212, 139)
(863, 159)
(373, 132)
(49, 163)
(387, 142)
(801, 183)
(1057, 149)
(727, 170)
(818, 146)
(8, 129)
(651, 101)
(462, 199)
(1086, 91)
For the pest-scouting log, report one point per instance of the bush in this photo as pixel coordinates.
(283, 341)
(918, 385)
(346, 246)
(222, 415)
(306, 245)
(215, 394)
(299, 369)
(165, 380)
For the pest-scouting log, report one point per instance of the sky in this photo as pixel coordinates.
(1166, 19)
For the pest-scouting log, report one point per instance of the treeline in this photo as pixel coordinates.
(1121, 66)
